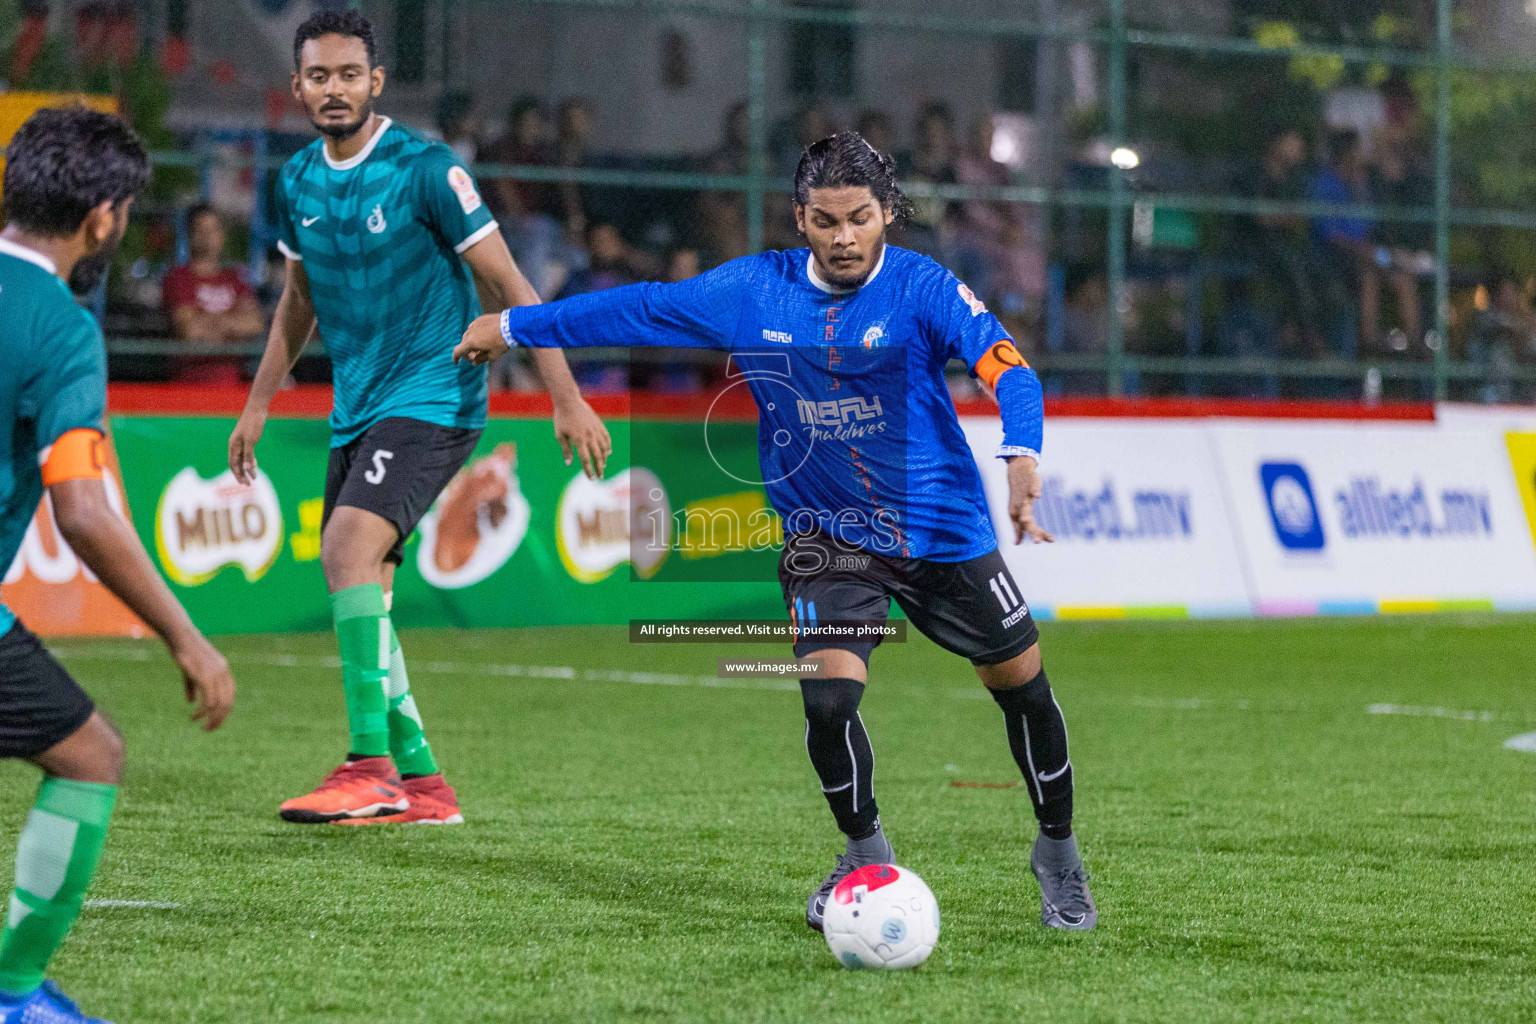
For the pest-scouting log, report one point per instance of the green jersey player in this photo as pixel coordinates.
(391, 252)
(70, 177)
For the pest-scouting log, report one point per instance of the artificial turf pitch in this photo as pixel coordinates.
(1265, 845)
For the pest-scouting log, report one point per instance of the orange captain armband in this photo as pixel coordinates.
(75, 456)
(997, 360)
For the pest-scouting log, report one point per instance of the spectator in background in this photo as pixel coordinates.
(1399, 179)
(680, 378)
(931, 161)
(681, 264)
(1351, 250)
(526, 143)
(530, 212)
(788, 141)
(610, 264)
(573, 139)
(209, 303)
(1085, 326)
(1342, 244)
(735, 142)
(458, 123)
(721, 217)
(1278, 243)
(1504, 337)
(812, 124)
(878, 130)
(997, 250)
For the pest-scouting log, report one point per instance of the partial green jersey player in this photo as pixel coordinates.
(53, 396)
(391, 253)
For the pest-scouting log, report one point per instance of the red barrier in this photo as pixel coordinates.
(314, 401)
(1232, 408)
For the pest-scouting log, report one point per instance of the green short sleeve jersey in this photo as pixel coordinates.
(53, 379)
(381, 235)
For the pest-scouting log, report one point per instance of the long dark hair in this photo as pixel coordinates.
(846, 160)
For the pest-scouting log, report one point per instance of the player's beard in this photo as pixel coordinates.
(89, 270)
(343, 132)
(852, 282)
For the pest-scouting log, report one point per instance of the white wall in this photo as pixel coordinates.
(615, 60)
(505, 49)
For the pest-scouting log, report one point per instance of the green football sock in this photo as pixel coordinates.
(408, 744)
(55, 859)
(362, 633)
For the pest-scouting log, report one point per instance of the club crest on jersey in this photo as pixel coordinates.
(376, 222)
(977, 306)
(875, 336)
(464, 187)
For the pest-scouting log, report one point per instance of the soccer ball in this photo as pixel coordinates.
(881, 916)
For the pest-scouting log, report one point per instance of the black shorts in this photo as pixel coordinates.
(972, 608)
(40, 703)
(396, 469)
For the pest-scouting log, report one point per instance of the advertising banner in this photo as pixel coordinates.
(1522, 461)
(1152, 518)
(1137, 511)
(1361, 519)
(49, 588)
(517, 539)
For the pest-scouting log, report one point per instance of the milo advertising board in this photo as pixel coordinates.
(518, 538)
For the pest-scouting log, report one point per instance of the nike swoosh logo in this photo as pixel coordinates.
(1066, 916)
(307, 221)
(1054, 775)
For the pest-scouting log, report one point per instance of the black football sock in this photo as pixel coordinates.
(1037, 735)
(840, 752)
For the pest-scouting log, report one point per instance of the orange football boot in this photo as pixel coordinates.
(363, 788)
(433, 802)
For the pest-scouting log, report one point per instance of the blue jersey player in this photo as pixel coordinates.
(70, 177)
(390, 253)
(844, 346)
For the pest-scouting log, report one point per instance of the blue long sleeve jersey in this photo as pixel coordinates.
(857, 434)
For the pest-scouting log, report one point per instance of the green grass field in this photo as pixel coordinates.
(1264, 848)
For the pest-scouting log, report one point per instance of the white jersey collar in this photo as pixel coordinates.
(362, 154)
(810, 269)
(21, 252)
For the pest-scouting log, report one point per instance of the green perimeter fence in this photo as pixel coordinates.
(1117, 39)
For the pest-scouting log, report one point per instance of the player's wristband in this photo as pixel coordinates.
(1009, 451)
(506, 328)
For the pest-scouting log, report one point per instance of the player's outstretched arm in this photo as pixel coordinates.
(108, 545)
(292, 325)
(701, 312)
(501, 286)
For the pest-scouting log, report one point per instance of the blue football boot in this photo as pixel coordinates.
(47, 1005)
